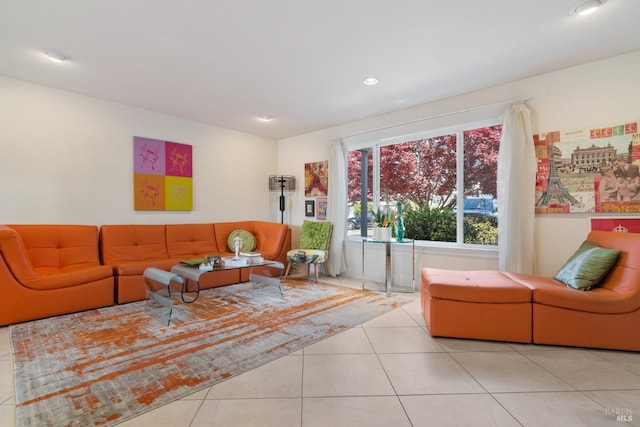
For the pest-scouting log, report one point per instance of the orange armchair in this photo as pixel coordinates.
(47, 270)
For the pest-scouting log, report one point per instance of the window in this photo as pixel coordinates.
(360, 193)
(445, 181)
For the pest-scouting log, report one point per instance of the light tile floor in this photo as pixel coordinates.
(390, 372)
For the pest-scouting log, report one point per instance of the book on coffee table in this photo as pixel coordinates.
(250, 254)
(193, 262)
(243, 261)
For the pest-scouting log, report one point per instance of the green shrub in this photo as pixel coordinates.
(480, 231)
(439, 225)
(357, 208)
(430, 224)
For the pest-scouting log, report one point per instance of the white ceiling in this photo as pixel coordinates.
(300, 61)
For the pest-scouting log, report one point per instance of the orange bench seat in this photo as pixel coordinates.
(475, 304)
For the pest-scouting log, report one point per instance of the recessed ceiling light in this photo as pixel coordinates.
(370, 81)
(265, 118)
(56, 56)
(587, 8)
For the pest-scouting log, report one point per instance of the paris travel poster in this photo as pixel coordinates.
(589, 170)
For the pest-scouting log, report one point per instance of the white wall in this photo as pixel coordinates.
(67, 158)
(594, 94)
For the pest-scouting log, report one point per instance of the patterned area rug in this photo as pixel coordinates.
(101, 367)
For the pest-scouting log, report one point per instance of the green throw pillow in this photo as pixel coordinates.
(588, 266)
(315, 234)
(248, 240)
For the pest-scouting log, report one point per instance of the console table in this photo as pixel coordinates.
(388, 265)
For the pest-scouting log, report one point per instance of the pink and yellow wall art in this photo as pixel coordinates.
(162, 175)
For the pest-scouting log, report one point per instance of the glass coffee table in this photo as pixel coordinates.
(183, 281)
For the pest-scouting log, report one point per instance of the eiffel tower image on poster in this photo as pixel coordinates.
(555, 189)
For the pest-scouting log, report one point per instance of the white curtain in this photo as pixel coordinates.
(337, 208)
(516, 192)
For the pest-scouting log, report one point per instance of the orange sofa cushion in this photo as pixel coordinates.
(187, 240)
(618, 293)
(475, 286)
(270, 239)
(223, 229)
(554, 293)
(47, 270)
(128, 243)
(53, 256)
(270, 236)
(624, 278)
(475, 304)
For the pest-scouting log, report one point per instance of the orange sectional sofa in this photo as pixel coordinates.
(130, 249)
(48, 270)
(504, 306)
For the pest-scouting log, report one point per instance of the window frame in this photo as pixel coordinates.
(458, 129)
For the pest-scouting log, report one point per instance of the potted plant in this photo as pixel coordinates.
(382, 225)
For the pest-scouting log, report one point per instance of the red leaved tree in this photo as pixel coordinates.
(398, 170)
(353, 176)
(424, 171)
(435, 181)
(481, 148)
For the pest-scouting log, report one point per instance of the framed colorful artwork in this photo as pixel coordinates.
(316, 179)
(322, 208)
(162, 175)
(309, 208)
(589, 170)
